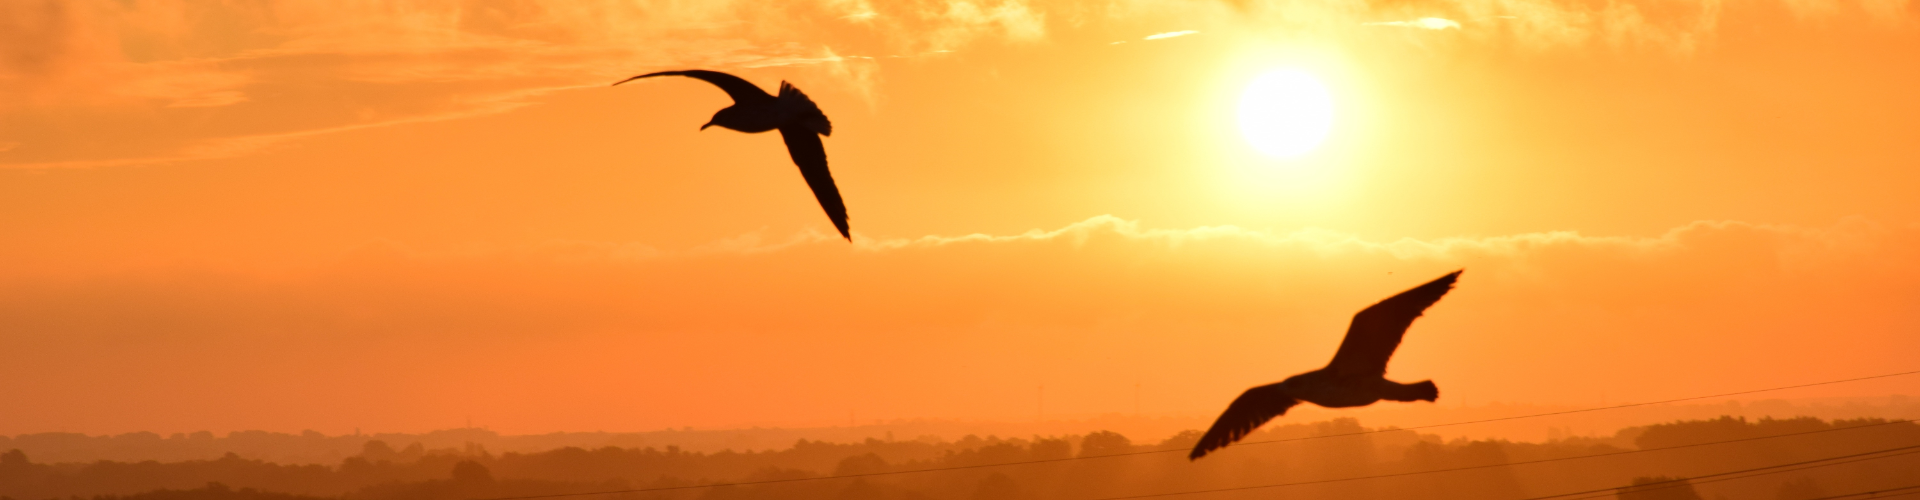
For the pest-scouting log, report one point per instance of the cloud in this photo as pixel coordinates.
(1112, 298)
(1079, 256)
(1853, 245)
(1170, 34)
(1781, 248)
(859, 73)
(965, 21)
(171, 81)
(166, 81)
(1431, 23)
(1676, 28)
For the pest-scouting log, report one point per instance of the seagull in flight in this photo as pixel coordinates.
(1356, 377)
(799, 121)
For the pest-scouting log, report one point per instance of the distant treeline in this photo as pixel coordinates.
(310, 447)
(1320, 452)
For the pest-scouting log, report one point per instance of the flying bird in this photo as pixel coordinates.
(798, 119)
(1356, 377)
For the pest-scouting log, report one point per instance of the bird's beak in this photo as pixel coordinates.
(704, 127)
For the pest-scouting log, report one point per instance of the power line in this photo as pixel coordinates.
(1796, 466)
(1248, 443)
(1518, 417)
(1534, 415)
(1631, 405)
(1415, 473)
(1915, 492)
(1913, 448)
(1875, 493)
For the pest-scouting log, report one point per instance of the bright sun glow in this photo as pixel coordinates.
(1286, 113)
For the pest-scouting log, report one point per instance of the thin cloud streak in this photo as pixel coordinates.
(1708, 250)
(1852, 234)
(1170, 34)
(1430, 23)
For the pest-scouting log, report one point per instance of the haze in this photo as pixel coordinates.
(409, 216)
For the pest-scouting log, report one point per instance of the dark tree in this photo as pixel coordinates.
(860, 464)
(1104, 443)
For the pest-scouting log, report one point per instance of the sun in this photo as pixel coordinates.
(1286, 113)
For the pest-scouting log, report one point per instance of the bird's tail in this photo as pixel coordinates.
(1423, 390)
(809, 113)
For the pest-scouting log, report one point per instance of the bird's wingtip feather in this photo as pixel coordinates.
(656, 73)
(636, 77)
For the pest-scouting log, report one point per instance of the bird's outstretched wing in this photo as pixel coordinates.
(804, 145)
(808, 112)
(1252, 408)
(741, 90)
(1377, 330)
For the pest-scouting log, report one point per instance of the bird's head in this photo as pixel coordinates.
(722, 118)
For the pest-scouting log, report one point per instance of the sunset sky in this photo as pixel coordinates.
(398, 215)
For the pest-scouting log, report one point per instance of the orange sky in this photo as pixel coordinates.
(393, 216)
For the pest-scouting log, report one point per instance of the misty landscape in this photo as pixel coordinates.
(1333, 458)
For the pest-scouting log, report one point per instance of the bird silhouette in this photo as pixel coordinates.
(798, 119)
(1355, 377)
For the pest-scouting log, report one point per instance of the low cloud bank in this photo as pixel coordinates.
(583, 335)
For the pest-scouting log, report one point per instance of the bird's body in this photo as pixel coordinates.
(1331, 390)
(1355, 377)
(798, 119)
(768, 112)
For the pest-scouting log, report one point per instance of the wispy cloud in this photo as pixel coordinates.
(167, 81)
(135, 75)
(1170, 34)
(1539, 25)
(1431, 23)
(1790, 242)
(964, 21)
(1774, 248)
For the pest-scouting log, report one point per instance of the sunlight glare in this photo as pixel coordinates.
(1286, 113)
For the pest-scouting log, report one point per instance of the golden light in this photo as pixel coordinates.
(1286, 113)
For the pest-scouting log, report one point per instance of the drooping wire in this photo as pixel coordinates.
(1742, 474)
(1915, 489)
(1907, 449)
